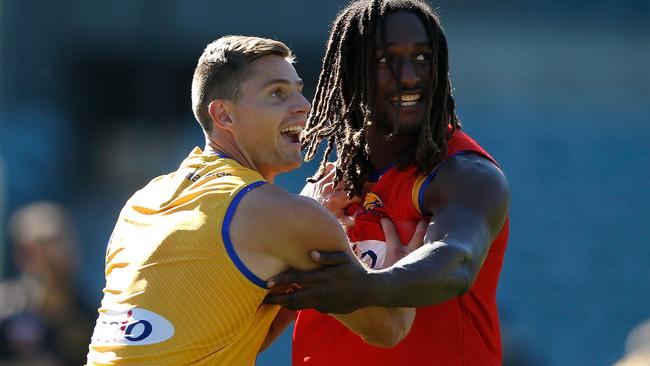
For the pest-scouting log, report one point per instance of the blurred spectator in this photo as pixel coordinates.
(637, 347)
(43, 320)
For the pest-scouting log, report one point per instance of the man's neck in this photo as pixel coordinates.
(385, 151)
(228, 147)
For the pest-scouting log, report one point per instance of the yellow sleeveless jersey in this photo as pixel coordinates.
(176, 292)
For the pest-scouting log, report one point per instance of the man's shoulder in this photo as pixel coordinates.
(469, 164)
(466, 178)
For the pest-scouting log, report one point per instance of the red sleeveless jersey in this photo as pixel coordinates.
(460, 331)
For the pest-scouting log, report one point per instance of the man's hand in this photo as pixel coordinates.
(333, 198)
(338, 287)
(395, 250)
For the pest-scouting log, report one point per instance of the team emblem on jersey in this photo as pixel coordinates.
(372, 201)
(131, 327)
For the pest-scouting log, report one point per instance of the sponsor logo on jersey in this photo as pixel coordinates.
(131, 327)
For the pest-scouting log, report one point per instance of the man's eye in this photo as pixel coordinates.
(277, 93)
(382, 60)
(421, 57)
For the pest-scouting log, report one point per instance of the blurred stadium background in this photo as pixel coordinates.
(95, 102)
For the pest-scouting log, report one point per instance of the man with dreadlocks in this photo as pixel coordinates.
(384, 101)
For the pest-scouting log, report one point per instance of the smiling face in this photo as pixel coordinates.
(406, 51)
(269, 114)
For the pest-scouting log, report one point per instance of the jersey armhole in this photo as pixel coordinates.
(421, 184)
(225, 235)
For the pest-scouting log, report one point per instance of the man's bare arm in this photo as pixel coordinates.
(277, 231)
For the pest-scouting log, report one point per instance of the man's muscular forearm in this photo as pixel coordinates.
(432, 274)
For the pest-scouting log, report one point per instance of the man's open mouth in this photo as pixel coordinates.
(406, 99)
(292, 133)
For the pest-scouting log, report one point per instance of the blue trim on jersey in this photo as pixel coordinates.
(225, 234)
(433, 174)
(222, 155)
(374, 176)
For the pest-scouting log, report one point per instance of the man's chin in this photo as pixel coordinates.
(410, 127)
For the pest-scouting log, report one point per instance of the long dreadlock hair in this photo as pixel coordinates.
(343, 109)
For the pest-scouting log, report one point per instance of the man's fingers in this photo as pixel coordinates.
(276, 299)
(329, 174)
(309, 190)
(337, 198)
(418, 235)
(389, 231)
(294, 280)
(327, 188)
(284, 279)
(293, 301)
(329, 258)
(318, 189)
(297, 300)
(347, 221)
(330, 170)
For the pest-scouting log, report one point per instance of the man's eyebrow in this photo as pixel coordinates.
(298, 82)
(415, 44)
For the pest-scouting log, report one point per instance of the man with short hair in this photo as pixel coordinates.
(384, 102)
(187, 262)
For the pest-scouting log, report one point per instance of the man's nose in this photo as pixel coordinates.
(408, 76)
(302, 105)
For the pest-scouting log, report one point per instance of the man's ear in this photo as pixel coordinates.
(218, 109)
